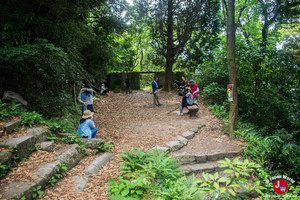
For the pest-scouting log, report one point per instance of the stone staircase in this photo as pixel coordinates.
(35, 160)
(197, 163)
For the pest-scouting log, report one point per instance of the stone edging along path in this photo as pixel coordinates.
(197, 162)
(69, 156)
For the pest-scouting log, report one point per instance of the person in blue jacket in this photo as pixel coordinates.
(85, 97)
(155, 89)
(87, 128)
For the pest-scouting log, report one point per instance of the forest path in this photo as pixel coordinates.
(130, 120)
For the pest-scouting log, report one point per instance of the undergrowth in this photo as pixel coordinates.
(29, 118)
(278, 154)
(155, 175)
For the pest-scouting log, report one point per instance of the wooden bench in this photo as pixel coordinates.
(193, 110)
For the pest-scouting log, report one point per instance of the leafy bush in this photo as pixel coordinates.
(278, 153)
(149, 175)
(214, 93)
(240, 174)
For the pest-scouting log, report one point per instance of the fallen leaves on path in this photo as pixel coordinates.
(130, 120)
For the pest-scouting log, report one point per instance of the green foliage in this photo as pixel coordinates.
(220, 111)
(239, 178)
(31, 118)
(151, 175)
(7, 110)
(4, 168)
(105, 147)
(74, 139)
(60, 173)
(278, 153)
(64, 124)
(37, 192)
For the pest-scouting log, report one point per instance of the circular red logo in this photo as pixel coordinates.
(280, 186)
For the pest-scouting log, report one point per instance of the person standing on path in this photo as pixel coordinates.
(87, 128)
(194, 90)
(127, 85)
(155, 89)
(85, 97)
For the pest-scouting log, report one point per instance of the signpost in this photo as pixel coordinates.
(230, 92)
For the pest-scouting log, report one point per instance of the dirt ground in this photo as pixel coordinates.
(132, 120)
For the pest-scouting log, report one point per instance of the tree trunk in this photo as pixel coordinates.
(170, 49)
(232, 67)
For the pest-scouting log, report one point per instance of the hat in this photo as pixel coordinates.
(87, 114)
(192, 82)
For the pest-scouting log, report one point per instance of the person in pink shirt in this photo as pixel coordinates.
(194, 90)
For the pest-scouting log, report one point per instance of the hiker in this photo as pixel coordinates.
(183, 84)
(187, 100)
(102, 89)
(87, 128)
(85, 97)
(155, 89)
(127, 85)
(194, 90)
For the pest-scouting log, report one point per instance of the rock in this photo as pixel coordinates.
(200, 158)
(45, 172)
(162, 149)
(18, 190)
(216, 156)
(40, 134)
(71, 156)
(9, 96)
(188, 134)
(201, 126)
(92, 143)
(24, 145)
(97, 164)
(184, 158)
(174, 145)
(195, 129)
(80, 183)
(5, 157)
(181, 139)
(11, 125)
(47, 146)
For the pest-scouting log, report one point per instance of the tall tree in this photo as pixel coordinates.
(174, 22)
(229, 15)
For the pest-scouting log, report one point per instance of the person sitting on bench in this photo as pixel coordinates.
(187, 100)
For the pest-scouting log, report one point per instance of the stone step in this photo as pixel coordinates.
(11, 125)
(181, 140)
(208, 167)
(23, 146)
(17, 189)
(187, 158)
(94, 168)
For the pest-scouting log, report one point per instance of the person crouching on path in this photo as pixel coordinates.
(194, 91)
(87, 128)
(85, 97)
(155, 89)
(187, 100)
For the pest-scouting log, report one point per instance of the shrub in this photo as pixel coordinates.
(151, 174)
